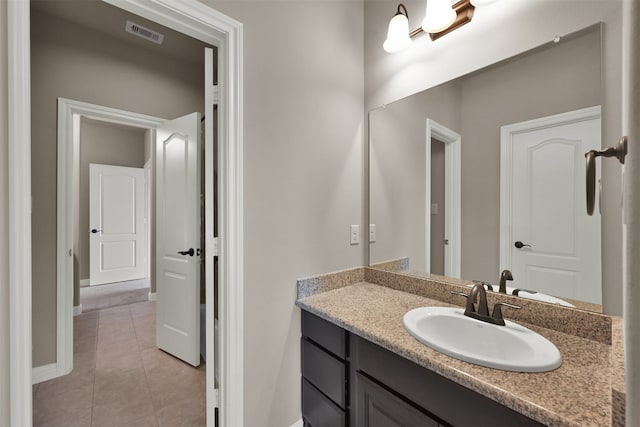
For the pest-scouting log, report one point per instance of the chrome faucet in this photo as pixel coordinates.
(504, 276)
(481, 312)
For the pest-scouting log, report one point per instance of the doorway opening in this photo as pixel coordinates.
(197, 20)
(442, 189)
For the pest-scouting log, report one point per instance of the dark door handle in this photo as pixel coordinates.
(190, 252)
(520, 245)
(94, 231)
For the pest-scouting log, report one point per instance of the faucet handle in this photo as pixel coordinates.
(487, 285)
(462, 294)
(497, 311)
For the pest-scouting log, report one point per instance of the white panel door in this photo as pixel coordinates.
(116, 217)
(178, 238)
(561, 252)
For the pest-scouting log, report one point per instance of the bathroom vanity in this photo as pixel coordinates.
(348, 380)
(360, 367)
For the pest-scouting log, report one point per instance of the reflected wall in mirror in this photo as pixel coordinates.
(546, 104)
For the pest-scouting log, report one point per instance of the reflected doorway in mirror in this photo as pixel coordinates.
(542, 184)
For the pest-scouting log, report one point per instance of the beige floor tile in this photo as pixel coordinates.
(121, 397)
(61, 417)
(188, 412)
(171, 379)
(111, 312)
(116, 350)
(60, 399)
(120, 378)
(109, 336)
(79, 380)
(142, 308)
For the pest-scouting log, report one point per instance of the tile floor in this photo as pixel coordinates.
(120, 378)
(112, 294)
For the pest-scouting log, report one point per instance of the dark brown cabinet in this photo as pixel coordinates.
(376, 406)
(350, 381)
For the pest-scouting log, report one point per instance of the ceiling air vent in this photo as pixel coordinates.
(143, 32)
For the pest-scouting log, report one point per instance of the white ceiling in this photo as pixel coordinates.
(110, 20)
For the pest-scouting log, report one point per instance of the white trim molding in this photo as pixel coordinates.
(152, 296)
(84, 283)
(45, 373)
(69, 114)
(452, 194)
(77, 310)
(206, 24)
(19, 132)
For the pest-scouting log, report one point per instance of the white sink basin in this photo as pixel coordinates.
(510, 348)
(540, 297)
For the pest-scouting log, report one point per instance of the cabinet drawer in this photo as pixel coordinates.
(318, 411)
(450, 402)
(377, 406)
(324, 371)
(324, 333)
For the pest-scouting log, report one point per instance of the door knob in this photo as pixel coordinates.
(190, 252)
(619, 152)
(520, 245)
(94, 231)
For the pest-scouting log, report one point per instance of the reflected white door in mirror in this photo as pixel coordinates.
(546, 238)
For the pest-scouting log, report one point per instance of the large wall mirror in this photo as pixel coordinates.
(486, 173)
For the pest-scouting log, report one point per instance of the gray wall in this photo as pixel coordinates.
(303, 136)
(106, 144)
(4, 225)
(562, 78)
(397, 171)
(71, 62)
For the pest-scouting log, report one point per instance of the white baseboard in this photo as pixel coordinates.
(77, 310)
(298, 423)
(152, 296)
(44, 373)
(84, 283)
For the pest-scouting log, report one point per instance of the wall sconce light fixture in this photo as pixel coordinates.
(440, 18)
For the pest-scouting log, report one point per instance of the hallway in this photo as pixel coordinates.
(120, 378)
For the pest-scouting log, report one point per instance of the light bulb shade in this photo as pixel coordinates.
(398, 34)
(439, 16)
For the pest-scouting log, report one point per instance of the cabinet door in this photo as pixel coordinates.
(377, 407)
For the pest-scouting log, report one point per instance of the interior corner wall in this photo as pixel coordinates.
(499, 31)
(4, 225)
(303, 177)
(106, 144)
(73, 62)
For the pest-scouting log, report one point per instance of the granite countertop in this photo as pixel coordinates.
(579, 393)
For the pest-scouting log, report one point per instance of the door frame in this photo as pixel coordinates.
(204, 23)
(506, 166)
(70, 113)
(452, 194)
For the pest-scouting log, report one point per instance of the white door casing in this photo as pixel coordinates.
(210, 250)
(116, 220)
(178, 230)
(543, 205)
(204, 23)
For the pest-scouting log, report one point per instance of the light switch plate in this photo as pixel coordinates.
(355, 234)
(372, 233)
